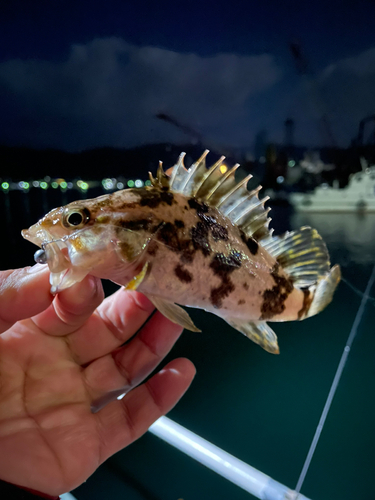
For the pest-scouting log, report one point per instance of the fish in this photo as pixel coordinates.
(194, 237)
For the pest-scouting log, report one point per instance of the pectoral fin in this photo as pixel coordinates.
(173, 312)
(66, 278)
(137, 280)
(259, 332)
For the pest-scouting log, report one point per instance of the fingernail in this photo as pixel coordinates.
(91, 286)
(36, 268)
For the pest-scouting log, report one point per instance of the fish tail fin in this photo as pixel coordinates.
(304, 257)
(323, 292)
(302, 254)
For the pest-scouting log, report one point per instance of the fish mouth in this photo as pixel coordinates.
(55, 253)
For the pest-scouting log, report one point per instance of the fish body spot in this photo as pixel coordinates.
(179, 223)
(307, 300)
(152, 248)
(174, 238)
(251, 243)
(183, 274)
(222, 267)
(199, 207)
(153, 197)
(274, 298)
(199, 236)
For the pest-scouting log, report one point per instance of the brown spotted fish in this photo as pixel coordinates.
(195, 238)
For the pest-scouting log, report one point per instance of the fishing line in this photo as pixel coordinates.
(358, 291)
(335, 383)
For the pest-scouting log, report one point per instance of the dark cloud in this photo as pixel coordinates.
(343, 92)
(348, 88)
(107, 93)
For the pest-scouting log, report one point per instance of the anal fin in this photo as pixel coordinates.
(259, 332)
(173, 312)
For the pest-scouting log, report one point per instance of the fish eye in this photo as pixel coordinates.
(76, 218)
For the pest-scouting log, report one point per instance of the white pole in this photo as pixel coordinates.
(67, 496)
(238, 472)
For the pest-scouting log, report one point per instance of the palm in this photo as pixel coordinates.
(56, 366)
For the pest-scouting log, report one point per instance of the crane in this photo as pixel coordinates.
(303, 69)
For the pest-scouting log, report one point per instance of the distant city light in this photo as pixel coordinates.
(291, 163)
(280, 179)
(223, 168)
(23, 185)
(107, 184)
(47, 178)
(83, 185)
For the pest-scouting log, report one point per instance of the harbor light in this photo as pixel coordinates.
(54, 184)
(280, 179)
(130, 183)
(5, 186)
(83, 185)
(223, 168)
(23, 185)
(120, 185)
(138, 183)
(291, 163)
(148, 182)
(107, 184)
(36, 184)
(43, 185)
(63, 185)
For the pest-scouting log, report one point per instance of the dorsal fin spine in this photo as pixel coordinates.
(253, 228)
(221, 182)
(219, 189)
(234, 189)
(247, 197)
(193, 169)
(250, 208)
(180, 165)
(208, 174)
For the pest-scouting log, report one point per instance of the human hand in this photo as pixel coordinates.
(60, 357)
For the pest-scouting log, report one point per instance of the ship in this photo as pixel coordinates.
(357, 196)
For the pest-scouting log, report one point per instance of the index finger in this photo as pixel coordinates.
(23, 293)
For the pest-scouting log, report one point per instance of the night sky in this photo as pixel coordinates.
(84, 74)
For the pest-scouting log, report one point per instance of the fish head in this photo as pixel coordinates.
(90, 237)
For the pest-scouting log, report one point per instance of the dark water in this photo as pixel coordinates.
(263, 409)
